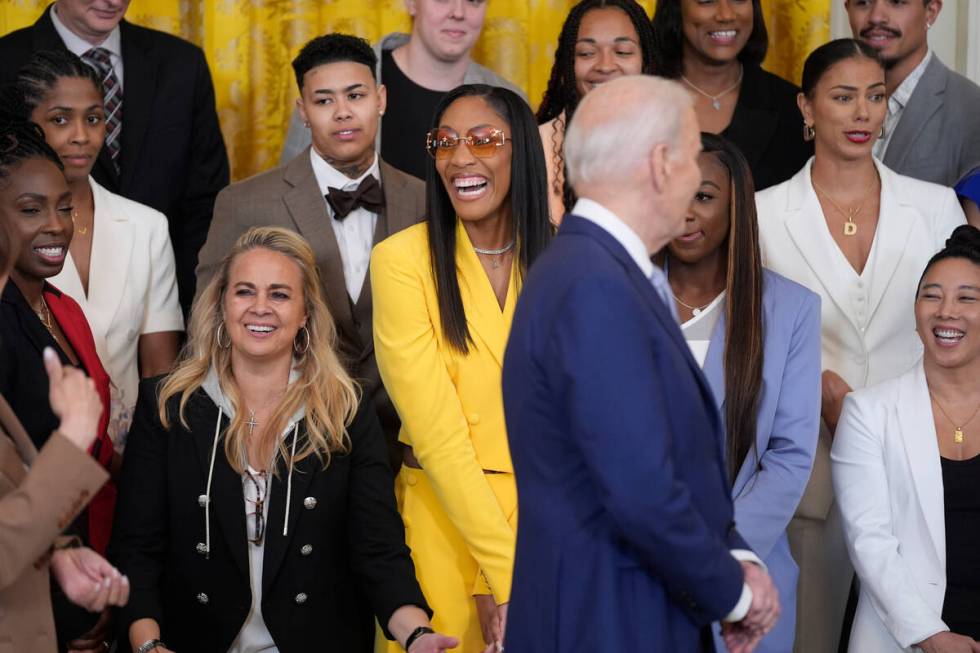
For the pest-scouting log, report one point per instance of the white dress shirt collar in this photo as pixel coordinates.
(623, 233)
(329, 177)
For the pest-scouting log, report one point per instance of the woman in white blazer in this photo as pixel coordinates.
(906, 457)
(120, 263)
(857, 234)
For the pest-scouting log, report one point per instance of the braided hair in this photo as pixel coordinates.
(561, 96)
(41, 73)
(19, 141)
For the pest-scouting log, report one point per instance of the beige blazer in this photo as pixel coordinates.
(40, 495)
(289, 196)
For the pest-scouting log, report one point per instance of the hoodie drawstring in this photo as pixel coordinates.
(289, 483)
(207, 494)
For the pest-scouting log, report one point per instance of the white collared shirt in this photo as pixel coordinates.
(631, 242)
(79, 46)
(355, 233)
(897, 102)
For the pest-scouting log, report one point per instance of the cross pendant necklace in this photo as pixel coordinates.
(251, 423)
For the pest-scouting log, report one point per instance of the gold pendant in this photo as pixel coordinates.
(850, 228)
(958, 436)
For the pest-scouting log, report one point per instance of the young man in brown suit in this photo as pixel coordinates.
(338, 194)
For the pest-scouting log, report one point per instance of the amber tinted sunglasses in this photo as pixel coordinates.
(482, 141)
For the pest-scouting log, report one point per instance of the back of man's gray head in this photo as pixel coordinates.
(618, 124)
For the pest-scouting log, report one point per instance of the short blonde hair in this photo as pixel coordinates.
(324, 388)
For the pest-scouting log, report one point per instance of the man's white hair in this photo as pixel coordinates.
(617, 125)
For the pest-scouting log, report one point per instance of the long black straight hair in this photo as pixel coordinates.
(528, 197)
(744, 324)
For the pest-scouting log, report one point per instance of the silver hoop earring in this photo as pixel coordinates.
(296, 348)
(881, 134)
(217, 336)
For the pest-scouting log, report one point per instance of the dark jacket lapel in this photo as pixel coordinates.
(276, 543)
(755, 119)
(140, 65)
(227, 497)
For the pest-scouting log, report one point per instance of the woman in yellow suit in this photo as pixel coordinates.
(444, 294)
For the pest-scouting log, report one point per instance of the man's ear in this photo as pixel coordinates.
(410, 7)
(382, 99)
(302, 111)
(661, 167)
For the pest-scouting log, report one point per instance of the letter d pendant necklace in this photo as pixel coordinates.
(957, 430)
(850, 227)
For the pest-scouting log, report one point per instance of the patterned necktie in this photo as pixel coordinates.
(100, 60)
(367, 194)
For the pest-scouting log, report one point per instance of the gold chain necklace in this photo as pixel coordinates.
(850, 227)
(45, 316)
(957, 430)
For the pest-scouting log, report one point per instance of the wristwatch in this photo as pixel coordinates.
(418, 632)
(149, 645)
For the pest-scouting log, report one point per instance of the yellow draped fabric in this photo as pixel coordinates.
(250, 43)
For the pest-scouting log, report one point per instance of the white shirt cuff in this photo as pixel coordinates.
(745, 600)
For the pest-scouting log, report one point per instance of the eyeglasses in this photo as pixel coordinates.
(259, 483)
(481, 141)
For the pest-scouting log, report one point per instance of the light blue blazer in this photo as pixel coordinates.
(772, 478)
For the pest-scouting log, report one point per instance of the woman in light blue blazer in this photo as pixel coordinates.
(757, 337)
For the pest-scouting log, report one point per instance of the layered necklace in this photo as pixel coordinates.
(716, 99)
(44, 314)
(958, 436)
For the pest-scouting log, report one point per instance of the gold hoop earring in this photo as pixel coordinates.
(296, 348)
(809, 133)
(881, 134)
(217, 336)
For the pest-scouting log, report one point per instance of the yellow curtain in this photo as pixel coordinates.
(250, 43)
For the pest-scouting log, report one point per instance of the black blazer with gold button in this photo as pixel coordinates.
(342, 563)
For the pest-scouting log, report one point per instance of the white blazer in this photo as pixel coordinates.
(132, 291)
(867, 321)
(889, 484)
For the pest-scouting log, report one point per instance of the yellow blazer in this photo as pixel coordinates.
(450, 404)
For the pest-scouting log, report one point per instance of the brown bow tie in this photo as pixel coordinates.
(367, 194)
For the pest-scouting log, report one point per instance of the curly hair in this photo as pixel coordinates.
(561, 97)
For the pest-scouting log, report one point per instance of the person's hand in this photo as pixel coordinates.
(486, 611)
(74, 401)
(947, 642)
(433, 643)
(833, 391)
(88, 580)
(744, 636)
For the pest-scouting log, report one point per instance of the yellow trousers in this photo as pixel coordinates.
(447, 573)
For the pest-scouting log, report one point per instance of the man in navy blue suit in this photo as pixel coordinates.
(626, 540)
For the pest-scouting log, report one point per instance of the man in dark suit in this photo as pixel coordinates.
(338, 194)
(163, 144)
(931, 132)
(627, 540)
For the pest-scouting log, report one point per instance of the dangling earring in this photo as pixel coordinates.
(217, 336)
(809, 133)
(306, 123)
(881, 134)
(301, 351)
